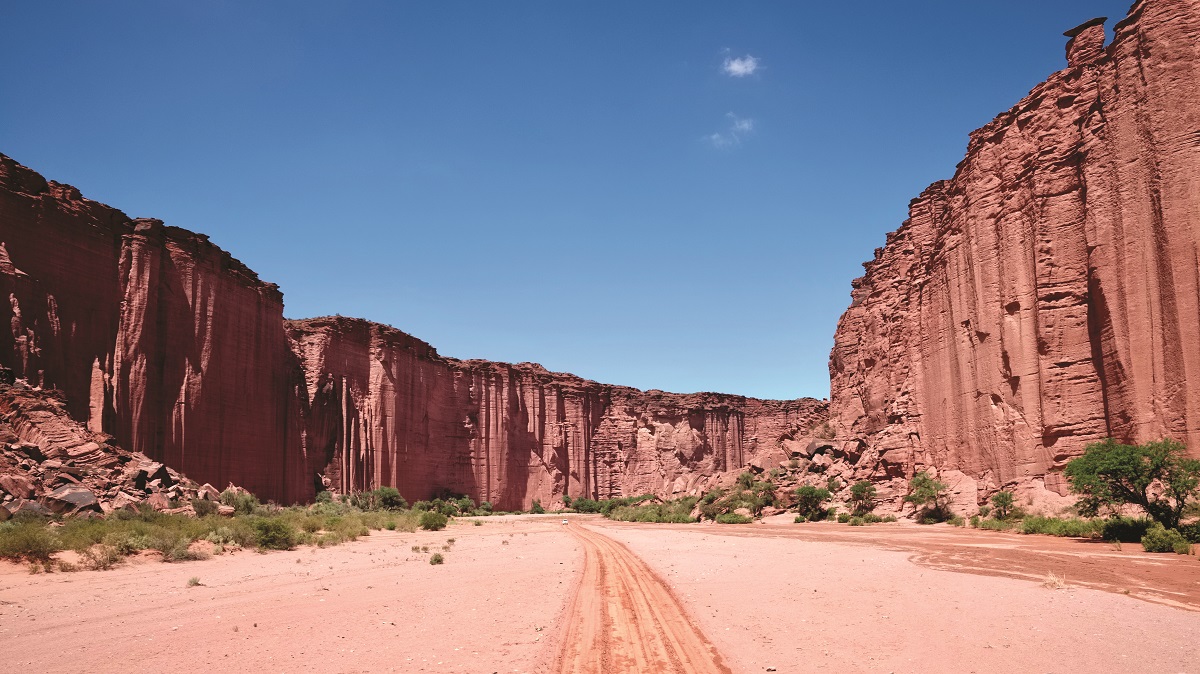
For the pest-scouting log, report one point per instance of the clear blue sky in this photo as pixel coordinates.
(612, 189)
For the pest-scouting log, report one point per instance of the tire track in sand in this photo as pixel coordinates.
(624, 618)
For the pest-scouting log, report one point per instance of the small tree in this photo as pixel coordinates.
(1156, 476)
(927, 493)
(1002, 501)
(862, 497)
(389, 498)
(537, 508)
(809, 501)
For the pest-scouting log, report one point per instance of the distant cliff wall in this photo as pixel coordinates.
(386, 409)
(1047, 295)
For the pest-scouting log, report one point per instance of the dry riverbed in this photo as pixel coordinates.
(526, 594)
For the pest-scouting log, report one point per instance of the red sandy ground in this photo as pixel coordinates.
(602, 596)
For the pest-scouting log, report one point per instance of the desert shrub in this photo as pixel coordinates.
(433, 521)
(101, 557)
(888, 518)
(1191, 531)
(1126, 529)
(324, 497)
(800, 519)
(243, 503)
(745, 480)
(810, 501)
(871, 518)
(832, 515)
(204, 507)
(985, 510)
(537, 508)
(862, 497)
(678, 512)
(1160, 539)
(485, 507)
(929, 495)
(437, 558)
(843, 518)
(389, 498)
(974, 521)
(1003, 502)
(1055, 526)
(733, 518)
(956, 521)
(856, 522)
(274, 534)
(28, 539)
(996, 525)
(585, 505)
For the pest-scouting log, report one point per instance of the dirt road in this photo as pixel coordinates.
(625, 619)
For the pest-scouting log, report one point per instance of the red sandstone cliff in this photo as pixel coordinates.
(154, 334)
(1047, 295)
(179, 351)
(386, 409)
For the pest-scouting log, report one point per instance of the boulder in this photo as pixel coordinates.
(70, 499)
(19, 486)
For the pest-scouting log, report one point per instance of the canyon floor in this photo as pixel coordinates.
(527, 594)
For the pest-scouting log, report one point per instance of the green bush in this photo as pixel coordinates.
(1055, 526)
(800, 519)
(537, 508)
(274, 534)
(585, 505)
(856, 522)
(434, 521)
(1003, 501)
(244, 503)
(1160, 539)
(437, 558)
(956, 521)
(929, 495)
(28, 539)
(389, 498)
(843, 517)
(1126, 529)
(678, 511)
(996, 525)
(974, 521)
(862, 497)
(810, 501)
(204, 507)
(733, 518)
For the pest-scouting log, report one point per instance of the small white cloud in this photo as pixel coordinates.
(740, 66)
(739, 127)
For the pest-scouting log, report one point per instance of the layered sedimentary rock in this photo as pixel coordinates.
(386, 409)
(153, 334)
(161, 339)
(1047, 295)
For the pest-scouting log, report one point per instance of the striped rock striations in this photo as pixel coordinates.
(177, 351)
(154, 335)
(1047, 295)
(386, 409)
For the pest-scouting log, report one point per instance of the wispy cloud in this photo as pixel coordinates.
(739, 66)
(739, 128)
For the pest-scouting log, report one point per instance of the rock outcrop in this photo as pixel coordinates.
(1047, 295)
(386, 409)
(153, 334)
(52, 464)
(161, 339)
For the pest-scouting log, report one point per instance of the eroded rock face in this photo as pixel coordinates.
(154, 335)
(177, 350)
(1047, 295)
(386, 409)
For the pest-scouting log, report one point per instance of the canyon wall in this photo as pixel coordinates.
(154, 335)
(386, 409)
(1047, 295)
(164, 342)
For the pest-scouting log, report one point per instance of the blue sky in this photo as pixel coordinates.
(670, 195)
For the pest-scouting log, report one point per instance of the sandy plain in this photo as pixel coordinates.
(527, 594)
